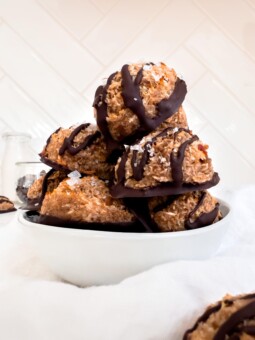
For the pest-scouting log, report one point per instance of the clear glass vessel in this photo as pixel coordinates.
(17, 148)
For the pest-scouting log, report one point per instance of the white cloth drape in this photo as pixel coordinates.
(158, 304)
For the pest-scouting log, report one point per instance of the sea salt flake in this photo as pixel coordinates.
(162, 159)
(146, 67)
(136, 147)
(74, 174)
(74, 178)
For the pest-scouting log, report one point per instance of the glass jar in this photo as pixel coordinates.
(17, 149)
(26, 174)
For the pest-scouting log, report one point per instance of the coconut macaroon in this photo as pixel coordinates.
(6, 205)
(184, 212)
(85, 200)
(35, 190)
(32, 198)
(168, 161)
(80, 148)
(136, 100)
(231, 318)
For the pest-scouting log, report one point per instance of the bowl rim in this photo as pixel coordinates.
(122, 235)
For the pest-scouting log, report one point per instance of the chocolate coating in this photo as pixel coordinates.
(80, 148)
(176, 213)
(149, 169)
(128, 227)
(134, 100)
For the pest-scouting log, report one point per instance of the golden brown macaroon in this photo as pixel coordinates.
(188, 211)
(35, 190)
(169, 161)
(6, 205)
(136, 100)
(233, 318)
(80, 148)
(85, 200)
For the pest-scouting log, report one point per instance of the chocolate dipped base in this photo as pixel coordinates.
(176, 213)
(119, 190)
(7, 211)
(127, 227)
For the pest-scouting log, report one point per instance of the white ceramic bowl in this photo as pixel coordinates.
(86, 257)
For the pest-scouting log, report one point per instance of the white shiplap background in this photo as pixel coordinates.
(54, 54)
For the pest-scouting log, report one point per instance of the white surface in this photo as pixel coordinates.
(54, 54)
(87, 257)
(155, 305)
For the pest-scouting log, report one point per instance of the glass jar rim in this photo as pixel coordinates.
(16, 133)
(29, 162)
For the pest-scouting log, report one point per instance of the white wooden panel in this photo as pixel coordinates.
(1, 73)
(251, 3)
(103, 5)
(196, 120)
(160, 38)
(233, 67)
(239, 24)
(20, 113)
(186, 66)
(64, 54)
(77, 16)
(231, 166)
(122, 24)
(225, 114)
(38, 80)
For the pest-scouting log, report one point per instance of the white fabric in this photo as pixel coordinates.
(158, 304)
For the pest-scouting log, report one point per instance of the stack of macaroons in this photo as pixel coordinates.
(140, 169)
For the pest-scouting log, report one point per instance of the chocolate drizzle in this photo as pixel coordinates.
(132, 100)
(232, 322)
(169, 200)
(101, 107)
(139, 207)
(68, 142)
(138, 166)
(203, 219)
(49, 139)
(51, 180)
(176, 160)
(177, 186)
(203, 318)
